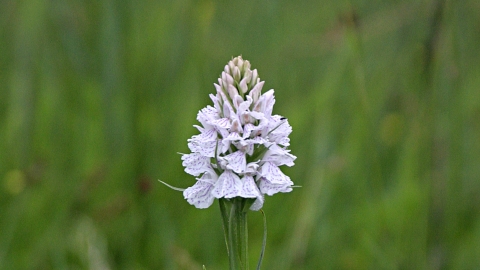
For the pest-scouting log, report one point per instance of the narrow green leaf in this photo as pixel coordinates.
(264, 242)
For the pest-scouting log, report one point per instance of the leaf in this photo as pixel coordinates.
(172, 187)
(264, 242)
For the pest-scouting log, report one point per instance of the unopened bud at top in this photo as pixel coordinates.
(246, 65)
(255, 78)
(236, 74)
(239, 83)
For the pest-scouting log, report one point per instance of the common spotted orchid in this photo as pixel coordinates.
(241, 145)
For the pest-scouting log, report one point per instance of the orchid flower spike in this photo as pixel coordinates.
(241, 145)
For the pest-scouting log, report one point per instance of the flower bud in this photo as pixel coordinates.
(246, 66)
(231, 65)
(243, 85)
(237, 101)
(232, 91)
(236, 74)
(247, 75)
(239, 62)
(254, 77)
(227, 79)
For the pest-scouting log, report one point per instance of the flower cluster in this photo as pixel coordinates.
(241, 144)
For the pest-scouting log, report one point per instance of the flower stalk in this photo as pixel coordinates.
(235, 225)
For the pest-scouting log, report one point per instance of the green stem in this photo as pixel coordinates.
(243, 232)
(232, 240)
(236, 231)
(225, 219)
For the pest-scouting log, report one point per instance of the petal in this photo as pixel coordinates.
(227, 109)
(257, 89)
(195, 163)
(257, 115)
(249, 188)
(244, 146)
(279, 130)
(236, 126)
(200, 194)
(208, 135)
(244, 105)
(233, 136)
(269, 100)
(259, 105)
(201, 129)
(258, 203)
(228, 185)
(206, 115)
(255, 140)
(237, 101)
(223, 123)
(223, 132)
(279, 156)
(216, 101)
(248, 145)
(222, 98)
(236, 161)
(251, 168)
(204, 143)
(269, 188)
(247, 130)
(204, 148)
(224, 146)
(273, 174)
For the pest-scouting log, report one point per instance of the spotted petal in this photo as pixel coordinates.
(269, 188)
(249, 188)
(200, 194)
(236, 161)
(279, 130)
(233, 136)
(273, 174)
(227, 186)
(195, 163)
(269, 101)
(223, 123)
(207, 115)
(279, 156)
(204, 143)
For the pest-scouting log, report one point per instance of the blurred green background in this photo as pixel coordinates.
(97, 98)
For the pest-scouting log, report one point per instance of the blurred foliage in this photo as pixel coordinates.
(97, 98)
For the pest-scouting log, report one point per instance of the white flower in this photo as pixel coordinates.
(200, 194)
(241, 145)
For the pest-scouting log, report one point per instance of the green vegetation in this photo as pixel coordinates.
(97, 98)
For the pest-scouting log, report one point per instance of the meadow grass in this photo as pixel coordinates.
(97, 98)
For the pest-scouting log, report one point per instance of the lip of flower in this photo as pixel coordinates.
(236, 161)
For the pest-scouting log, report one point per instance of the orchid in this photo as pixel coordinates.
(237, 154)
(241, 145)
